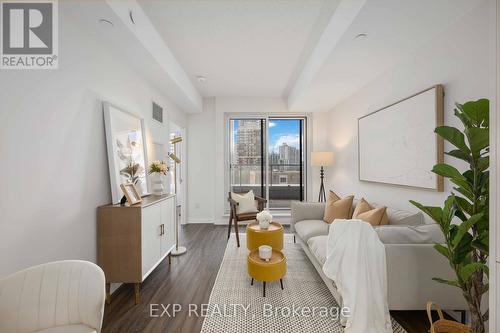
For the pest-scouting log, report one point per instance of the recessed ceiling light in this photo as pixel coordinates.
(201, 79)
(106, 22)
(361, 36)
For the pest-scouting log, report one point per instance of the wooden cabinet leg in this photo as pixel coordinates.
(264, 288)
(281, 283)
(169, 259)
(108, 293)
(137, 291)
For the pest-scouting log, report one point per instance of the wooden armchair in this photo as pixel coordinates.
(233, 216)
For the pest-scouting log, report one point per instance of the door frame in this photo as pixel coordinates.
(307, 147)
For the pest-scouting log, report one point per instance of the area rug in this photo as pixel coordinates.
(237, 306)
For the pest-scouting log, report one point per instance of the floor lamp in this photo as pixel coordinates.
(178, 249)
(322, 159)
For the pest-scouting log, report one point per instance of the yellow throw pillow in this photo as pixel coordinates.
(363, 206)
(337, 208)
(374, 216)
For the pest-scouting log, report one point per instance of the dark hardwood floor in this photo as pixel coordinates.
(189, 280)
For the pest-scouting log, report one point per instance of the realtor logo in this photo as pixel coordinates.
(29, 35)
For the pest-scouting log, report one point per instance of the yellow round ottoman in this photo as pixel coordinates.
(267, 271)
(272, 236)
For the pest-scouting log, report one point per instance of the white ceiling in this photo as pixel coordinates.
(394, 28)
(263, 47)
(244, 48)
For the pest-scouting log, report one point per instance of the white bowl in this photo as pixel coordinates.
(265, 252)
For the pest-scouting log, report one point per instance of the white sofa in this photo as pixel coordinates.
(58, 297)
(412, 261)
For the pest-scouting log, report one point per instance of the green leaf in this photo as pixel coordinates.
(436, 213)
(443, 250)
(447, 170)
(482, 228)
(454, 136)
(465, 193)
(469, 269)
(463, 183)
(453, 283)
(483, 163)
(464, 228)
(462, 249)
(484, 180)
(464, 118)
(481, 244)
(461, 215)
(457, 153)
(449, 210)
(464, 205)
(477, 111)
(479, 138)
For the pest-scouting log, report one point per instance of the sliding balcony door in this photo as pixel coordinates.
(247, 156)
(267, 155)
(286, 169)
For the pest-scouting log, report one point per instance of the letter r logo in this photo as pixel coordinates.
(27, 28)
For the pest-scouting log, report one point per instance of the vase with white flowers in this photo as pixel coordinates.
(264, 218)
(158, 169)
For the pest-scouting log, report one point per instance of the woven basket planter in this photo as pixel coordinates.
(444, 325)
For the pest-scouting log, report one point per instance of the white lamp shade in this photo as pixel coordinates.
(321, 158)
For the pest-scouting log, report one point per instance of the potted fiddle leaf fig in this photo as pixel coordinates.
(464, 217)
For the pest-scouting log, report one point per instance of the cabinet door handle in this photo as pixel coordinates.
(162, 229)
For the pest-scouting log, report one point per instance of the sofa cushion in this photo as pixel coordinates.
(402, 217)
(246, 202)
(337, 208)
(420, 234)
(311, 228)
(374, 216)
(68, 329)
(396, 216)
(317, 245)
(363, 206)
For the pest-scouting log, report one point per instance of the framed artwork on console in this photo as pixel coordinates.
(127, 151)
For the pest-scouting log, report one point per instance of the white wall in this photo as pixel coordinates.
(54, 169)
(201, 167)
(459, 58)
(207, 192)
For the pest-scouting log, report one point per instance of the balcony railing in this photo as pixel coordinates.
(284, 182)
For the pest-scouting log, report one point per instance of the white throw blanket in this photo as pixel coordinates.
(355, 261)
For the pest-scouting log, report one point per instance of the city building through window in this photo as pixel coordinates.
(267, 156)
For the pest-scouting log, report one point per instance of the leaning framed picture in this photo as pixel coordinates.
(127, 150)
(131, 193)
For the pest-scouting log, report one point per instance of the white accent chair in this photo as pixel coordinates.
(58, 297)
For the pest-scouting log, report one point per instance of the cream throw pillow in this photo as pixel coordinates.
(246, 202)
(337, 208)
(375, 216)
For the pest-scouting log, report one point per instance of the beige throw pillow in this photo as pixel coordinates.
(375, 216)
(246, 202)
(337, 208)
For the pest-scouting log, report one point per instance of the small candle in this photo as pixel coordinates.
(265, 252)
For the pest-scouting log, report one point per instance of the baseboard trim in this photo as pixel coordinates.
(285, 220)
(200, 220)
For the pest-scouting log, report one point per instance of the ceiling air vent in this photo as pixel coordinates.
(157, 113)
